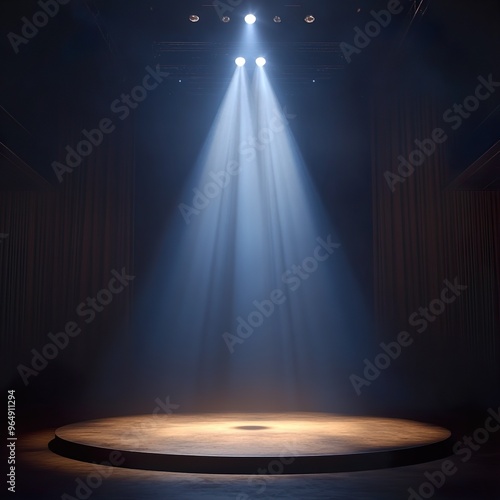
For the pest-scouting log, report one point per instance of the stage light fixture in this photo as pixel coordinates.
(309, 19)
(250, 19)
(260, 61)
(226, 19)
(277, 19)
(194, 18)
(240, 61)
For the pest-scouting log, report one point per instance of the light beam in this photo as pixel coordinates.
(252, 303)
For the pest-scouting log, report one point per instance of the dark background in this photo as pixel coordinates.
(351, 124)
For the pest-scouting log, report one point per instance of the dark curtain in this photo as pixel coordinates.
(424, 234)
(63, 243)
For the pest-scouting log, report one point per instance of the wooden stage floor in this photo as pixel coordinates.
(280, 443)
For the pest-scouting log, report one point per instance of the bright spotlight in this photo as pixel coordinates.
(240, 61)
(260, 61)
(309, 19)
(250, 19)
(194, 18)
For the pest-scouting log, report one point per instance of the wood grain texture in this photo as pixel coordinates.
(245, 435)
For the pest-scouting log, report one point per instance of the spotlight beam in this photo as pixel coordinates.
(250, 298)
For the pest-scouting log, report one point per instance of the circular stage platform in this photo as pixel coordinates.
(259, 443)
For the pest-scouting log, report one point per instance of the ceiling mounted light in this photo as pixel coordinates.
(240, 61)
(250, 19)
(226, 19)
(277, 19)
(260, 61)
(309, 19)
(194, 18)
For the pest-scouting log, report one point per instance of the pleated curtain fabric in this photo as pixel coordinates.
(424, 234)
(63, 242)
